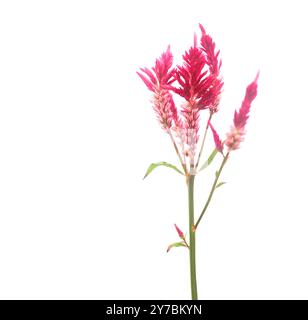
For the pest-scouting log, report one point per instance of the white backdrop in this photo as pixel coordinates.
(77, 133)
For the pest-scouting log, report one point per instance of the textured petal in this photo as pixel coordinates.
(147, 82)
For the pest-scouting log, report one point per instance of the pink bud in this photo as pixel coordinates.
(218, 143)
(180, 233)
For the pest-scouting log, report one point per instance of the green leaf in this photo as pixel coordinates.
(220, 184)
(158, 164)
(176, 244)
(209, 160)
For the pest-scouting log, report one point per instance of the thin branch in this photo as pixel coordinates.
(177, 152)
(203, 140)
(213, 189)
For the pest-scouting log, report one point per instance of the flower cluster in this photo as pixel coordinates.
(197, 80)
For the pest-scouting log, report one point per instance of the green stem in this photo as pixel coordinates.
(203, 140)
(183, 162)
(213, 188)
(192, 239)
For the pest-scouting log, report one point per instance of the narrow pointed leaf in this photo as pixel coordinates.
(175, 245)
(220, 184)
(158, 164)
(209, 160)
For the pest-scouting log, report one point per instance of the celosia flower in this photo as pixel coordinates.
(237, 132)
(190, 77)
(157, 80)
(199, 85)
(212, 88)
(208, 46)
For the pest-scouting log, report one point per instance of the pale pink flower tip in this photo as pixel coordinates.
(234, 138)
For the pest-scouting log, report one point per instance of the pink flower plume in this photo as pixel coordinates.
(211, 94)
(241, 116)
(208, 46)
(237, 132)
(163, 68)
(191, 78)
(157, 80)
(190, 75)
(161, 74)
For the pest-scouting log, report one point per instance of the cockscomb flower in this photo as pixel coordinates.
(190, 77)
(211, 95)
(199, 84)
(157, 80)
(237, 132)
(208, 46)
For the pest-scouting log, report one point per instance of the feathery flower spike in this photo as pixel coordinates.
(157, 80)
(191, 77)
(237, 132)
(213, 84)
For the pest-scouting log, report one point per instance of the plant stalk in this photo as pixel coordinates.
(213, 188)
(183, 161)
(192, 238)
(203, 140)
